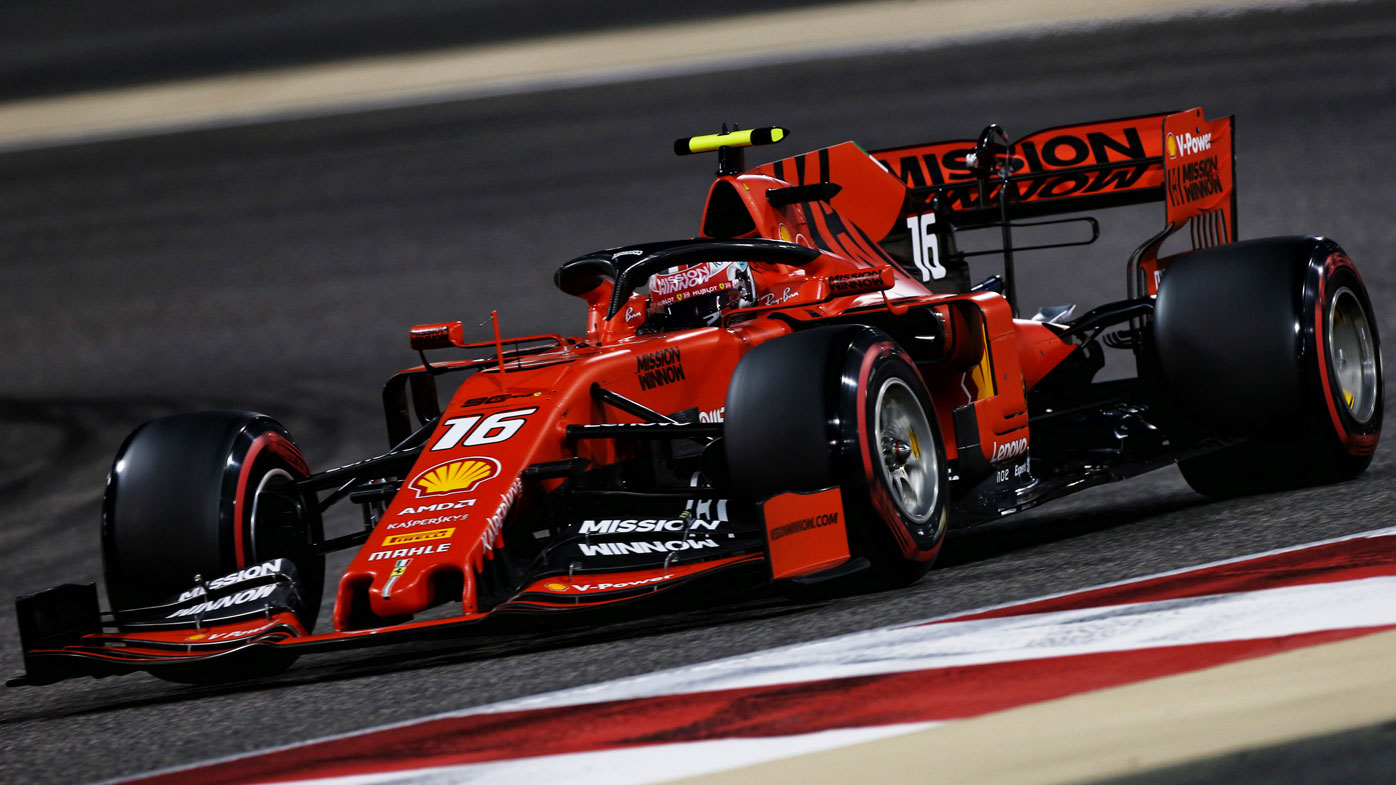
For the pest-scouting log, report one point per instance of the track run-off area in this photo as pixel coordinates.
(277, 267)
(910, 685)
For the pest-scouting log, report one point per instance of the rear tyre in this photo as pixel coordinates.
(206, 494)
(1273, 341)
(844, 406)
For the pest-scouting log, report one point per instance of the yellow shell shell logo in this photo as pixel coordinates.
(555, 586)
(454, 477)
(1172, 146)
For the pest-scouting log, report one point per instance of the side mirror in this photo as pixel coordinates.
(437, 336)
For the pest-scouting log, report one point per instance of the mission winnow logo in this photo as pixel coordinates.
(659, 368)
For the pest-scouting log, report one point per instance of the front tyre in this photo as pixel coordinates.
(843, 405)
(206, 494)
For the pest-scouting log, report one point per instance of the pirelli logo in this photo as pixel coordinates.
(426, 536)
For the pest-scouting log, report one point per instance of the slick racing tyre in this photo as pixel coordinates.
(844, 406)
(205, 494)
(1272, 341)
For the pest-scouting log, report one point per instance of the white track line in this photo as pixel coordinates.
(633, 765)
(1121, 731)
(1269, 613)
(797, 652)
(1245, 615)
(605, 57)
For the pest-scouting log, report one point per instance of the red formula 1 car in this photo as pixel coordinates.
(810, 392)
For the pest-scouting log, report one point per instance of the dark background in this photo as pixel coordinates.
(278, 267)
(49, 47)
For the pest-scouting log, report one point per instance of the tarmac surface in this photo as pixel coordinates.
(278, 268)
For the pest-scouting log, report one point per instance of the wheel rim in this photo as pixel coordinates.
(1352, 354)
(908, 461)
(263, 519)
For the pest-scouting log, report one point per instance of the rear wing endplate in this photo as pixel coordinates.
(1200, 176)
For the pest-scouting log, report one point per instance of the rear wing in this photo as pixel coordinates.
(1074, 168)
(908, 202)
(1180, 159)
(1064, 169)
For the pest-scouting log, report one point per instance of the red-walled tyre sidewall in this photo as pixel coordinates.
(871, 361)
(1351, 441)
(799, 419)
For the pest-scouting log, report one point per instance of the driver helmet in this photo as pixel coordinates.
(696, 295)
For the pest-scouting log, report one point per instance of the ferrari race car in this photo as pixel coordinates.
(810, 393)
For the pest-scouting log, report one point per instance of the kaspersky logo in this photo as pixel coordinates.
(458, 476)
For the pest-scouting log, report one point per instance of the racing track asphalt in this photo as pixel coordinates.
(278, 268)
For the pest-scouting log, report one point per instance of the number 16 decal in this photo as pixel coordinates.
(498, 427)
(925, 246)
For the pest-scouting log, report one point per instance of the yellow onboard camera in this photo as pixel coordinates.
(728, 145)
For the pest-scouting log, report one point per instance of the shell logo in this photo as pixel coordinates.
(555, 586)
(457, 476)
(1172, 146)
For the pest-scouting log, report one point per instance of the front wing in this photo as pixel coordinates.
(250, 619)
